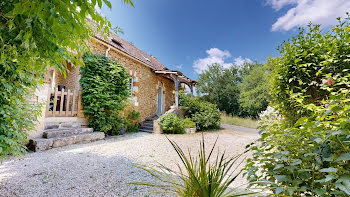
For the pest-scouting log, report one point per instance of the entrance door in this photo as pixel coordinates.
(160, 100)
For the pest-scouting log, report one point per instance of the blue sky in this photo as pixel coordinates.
(187, 35)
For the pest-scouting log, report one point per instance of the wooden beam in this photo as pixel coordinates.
(176, 92)
(191, 87)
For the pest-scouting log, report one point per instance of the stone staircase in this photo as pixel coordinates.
(148, 125)
(57, 134)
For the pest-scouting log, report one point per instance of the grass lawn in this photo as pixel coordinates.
(238, 121)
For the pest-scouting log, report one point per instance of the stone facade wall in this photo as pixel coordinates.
(146, 83)
(72, 78)
(145, 95)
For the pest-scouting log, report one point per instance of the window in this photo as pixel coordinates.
(132, 80)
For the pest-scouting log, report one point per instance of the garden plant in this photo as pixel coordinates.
(203, 175)
(306, 152)
(105, 85)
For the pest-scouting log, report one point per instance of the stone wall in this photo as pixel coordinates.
(146, 84)
(145, 96)
(72, 78)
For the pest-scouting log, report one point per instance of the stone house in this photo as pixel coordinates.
(154, 87)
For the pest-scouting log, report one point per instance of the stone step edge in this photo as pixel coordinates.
(40, 144)
(146, 130)
(51, 133)
(60, 125)
(146, 127)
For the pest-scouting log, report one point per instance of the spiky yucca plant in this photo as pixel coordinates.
(199, 177)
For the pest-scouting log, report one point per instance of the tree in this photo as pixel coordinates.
(35, 35)
(254, 91)
(219, 86)
(222, 86)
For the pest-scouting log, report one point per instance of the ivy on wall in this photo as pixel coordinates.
(105, 86)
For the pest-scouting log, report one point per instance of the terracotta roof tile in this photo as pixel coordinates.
(131, 50)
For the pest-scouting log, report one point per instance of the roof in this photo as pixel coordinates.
(131, 50)
(128, 48)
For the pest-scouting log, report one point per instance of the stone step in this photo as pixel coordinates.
(58, 125)
(40, 144)
(147, 127)
(148, 123)
(51, 133)
(146, 130)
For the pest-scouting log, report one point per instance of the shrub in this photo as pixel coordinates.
(269, 116)
(199, 176)
(171, 123)
(308, 152)
(105, 86)
(17, 114)
(307, 61)
(188, 123)
(131, 123)
(204, 114)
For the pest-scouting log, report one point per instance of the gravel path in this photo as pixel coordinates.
(104, 168)
(239, 128)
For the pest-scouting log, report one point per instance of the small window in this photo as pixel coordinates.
(132, 79)
(117, 43)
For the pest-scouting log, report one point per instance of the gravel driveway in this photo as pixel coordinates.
(104, 168)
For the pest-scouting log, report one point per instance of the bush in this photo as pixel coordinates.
(188, 123)
(171, 123)
(105, 86)
(307, 152)
(204, 114)
(269, 116)
(131, 123)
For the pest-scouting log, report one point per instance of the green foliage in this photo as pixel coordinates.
(35, 35)
(305, 61)
(254, 91)
(16, 113)
(199, 176)
(188, 123)
(307, 151)
(238, 90)
(105, 85)
(171, 123)
(220, 86)
(131, 123)
(239, 121)
(204, 114)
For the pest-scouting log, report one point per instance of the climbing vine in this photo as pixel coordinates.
(105, 86)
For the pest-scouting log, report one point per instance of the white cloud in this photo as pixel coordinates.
(221, 57)
(215, 55)
(278, 4)
(302, 12)
(239, 61)
(179, 66)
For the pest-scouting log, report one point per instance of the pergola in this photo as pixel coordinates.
(178, 78)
